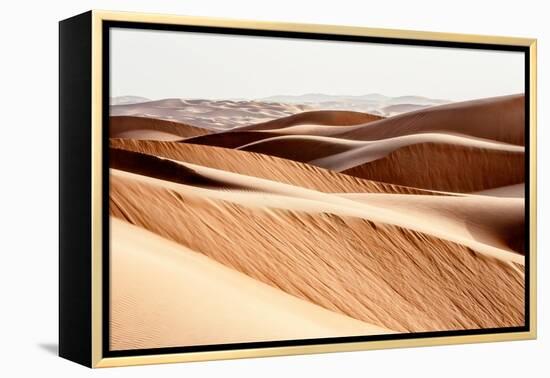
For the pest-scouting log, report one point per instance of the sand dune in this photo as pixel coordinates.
(495, 221)
(260, 193)
(214, 115)
(276, 221)
(302, 148)
(461, 147)
(152, 129)
(230, 139)
(373, 103)
(309, 148)
(322, 122)
(499, 119)
(441, 167)
(163, 169)
(262, 166)
(381, 274)
(402, 108)
(316, 117)
(165, 294)
(429, 161)
(308, 129)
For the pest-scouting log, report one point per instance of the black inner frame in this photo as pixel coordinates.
(106, 25)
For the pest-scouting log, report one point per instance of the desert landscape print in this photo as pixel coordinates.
(278, 195)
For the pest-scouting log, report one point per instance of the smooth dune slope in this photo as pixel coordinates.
(262, 166)
(499, 119)
(230, 139)
(165, 294)
(384, 275)
(364, 152)
(130, 127)
(492, 220)
(511, 191)
(316, 117)
(309, 129)
(443, 167)
(302, 148)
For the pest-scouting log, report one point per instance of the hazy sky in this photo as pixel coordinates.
(165, 64)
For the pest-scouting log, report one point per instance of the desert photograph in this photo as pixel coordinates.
(273, 189)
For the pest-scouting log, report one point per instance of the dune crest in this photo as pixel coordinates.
(263, 166)
(260, 193)
(444, 167)
(151, 129)
(316, 117)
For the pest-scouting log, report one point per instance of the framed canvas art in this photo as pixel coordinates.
(238, 188)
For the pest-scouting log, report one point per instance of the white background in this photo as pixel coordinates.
(29, 188)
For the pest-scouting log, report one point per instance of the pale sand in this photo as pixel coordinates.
(164, 294)
(142, 134)
(511, 191)
(310, 129)
(384, 275)
(494, 221)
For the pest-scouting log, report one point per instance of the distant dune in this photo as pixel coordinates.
(402, 108)
(151, 129)
(127, 100)
(214, 115)
(500, 119)
(318, 117)
(255, 220)
(374, 103)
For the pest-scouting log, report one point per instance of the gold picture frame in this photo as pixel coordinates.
(89, 330)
